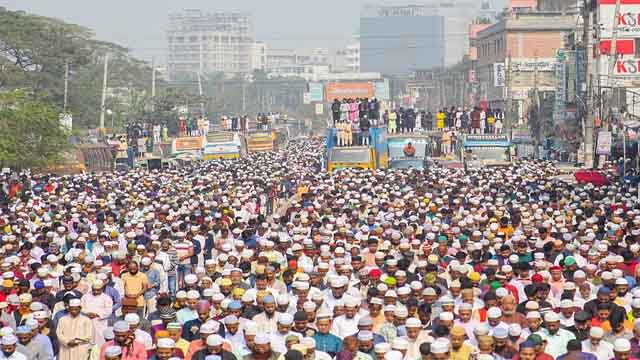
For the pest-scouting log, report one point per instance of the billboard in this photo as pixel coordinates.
(348, 90)
(498, 74)
(540, 64)
(189, 143)
(627, 19)
(315, 92)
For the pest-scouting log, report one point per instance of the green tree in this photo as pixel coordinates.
(32, 136)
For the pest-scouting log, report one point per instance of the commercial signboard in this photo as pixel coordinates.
(189, 143)
(561, 87)
(316, 92)
(604, 143)
(319, 109)
(627, 19)
(525, 64)
(627, 68)
(348, 90)
(498, 75)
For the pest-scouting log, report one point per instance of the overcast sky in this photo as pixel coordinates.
(141, 24)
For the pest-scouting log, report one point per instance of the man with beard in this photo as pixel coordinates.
(97, 306)
(602, 297)
(557, 338)
(262, 349)
(125, 339)
(191, 329)
(581, 325)
(267, 320)
(136, 284)
(33, 350)
(9, 343)
(214, 347)
(501, 343)
(74, 332)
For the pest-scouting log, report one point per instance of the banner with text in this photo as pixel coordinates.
(348, 90)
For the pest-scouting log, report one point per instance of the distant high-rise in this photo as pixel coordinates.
(396, 39)
(210, 42)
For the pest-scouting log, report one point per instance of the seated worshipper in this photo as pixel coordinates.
(409, 150)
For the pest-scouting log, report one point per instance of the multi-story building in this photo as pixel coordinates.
(398, 39)
(288, 62)
(517, 55)
(210, 42)
(259, 56)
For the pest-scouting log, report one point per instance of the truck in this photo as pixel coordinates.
(479, 151)
(397, 158)
(372, 156)
(261, 140)
(223, 145)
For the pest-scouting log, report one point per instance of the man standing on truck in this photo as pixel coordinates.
(409, 150)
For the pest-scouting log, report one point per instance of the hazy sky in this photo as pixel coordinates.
(141, 24)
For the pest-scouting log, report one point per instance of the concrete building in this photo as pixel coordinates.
(259, 56)
(210, 42)
(399, 39)
(517, 55)
(293, 62)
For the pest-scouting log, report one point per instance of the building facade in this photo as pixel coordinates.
(518, 55)
(210, 42)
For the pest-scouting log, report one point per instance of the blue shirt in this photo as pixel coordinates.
(328, 343)
(581, 355)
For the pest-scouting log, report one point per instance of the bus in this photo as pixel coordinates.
(480, 151)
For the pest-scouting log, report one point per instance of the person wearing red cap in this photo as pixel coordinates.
(557, 281)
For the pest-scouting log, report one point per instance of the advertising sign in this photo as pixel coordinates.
(498, 75)
(561, 87)
(542, 64)
(627, 68)
(319, 109)
(348, 90)
(604, 143)
(316, 92)
(627, 19)
(189, 143)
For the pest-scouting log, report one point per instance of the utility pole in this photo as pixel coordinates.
(509, 103)
(153, 83)
(104, 90)
(588, 111)
(66, 86)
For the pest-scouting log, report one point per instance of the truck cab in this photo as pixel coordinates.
(481, 151)
(373, 156)
(399, 160)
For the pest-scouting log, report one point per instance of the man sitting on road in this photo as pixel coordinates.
(409, 150)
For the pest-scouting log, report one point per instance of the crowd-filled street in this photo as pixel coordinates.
(251, 258)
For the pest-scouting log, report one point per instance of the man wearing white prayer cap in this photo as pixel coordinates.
(9, 344)
(440, 349)
(75, 332)
(557, 338)
(122, 337)
(113, 353)
(596, 346)
(278, 339)
(98, 307)
(347, 324)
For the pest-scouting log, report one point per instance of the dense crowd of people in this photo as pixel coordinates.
(439, 264)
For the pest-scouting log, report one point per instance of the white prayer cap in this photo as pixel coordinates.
(75, 303)
(166, 343)
(494, 312)
(596, 332)
(113, 351)
(262, 339)
(121, 326)
(621, 345)
(9, 339)
(285, 319)
(440, 346)
(393, 355)
(214, 340)
(132, 319)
